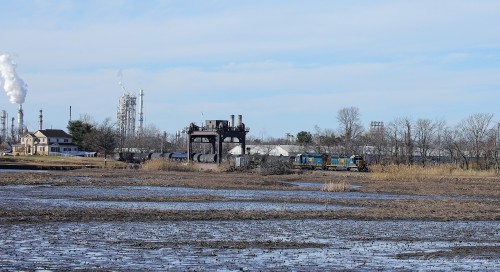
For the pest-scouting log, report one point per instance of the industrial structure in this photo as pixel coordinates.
(126, 114)
(15, 133)
(3, 125)
(141, 113)
(215, 132)
(20, 122)
(376, 127)
(40, 120)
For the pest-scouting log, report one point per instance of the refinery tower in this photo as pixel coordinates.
(126, 114)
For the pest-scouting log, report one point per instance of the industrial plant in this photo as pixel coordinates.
(214, 133)
(126, 114)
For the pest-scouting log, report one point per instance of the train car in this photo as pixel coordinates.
(352, 163)
(178, 156)
(310, 161)
(329, 162)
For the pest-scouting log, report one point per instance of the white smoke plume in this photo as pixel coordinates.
(13, 85)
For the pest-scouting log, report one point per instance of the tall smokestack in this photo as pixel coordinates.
(12, 130)
(3, 132)
(70, 113)
(232, 121)
(240, 120)
(20, 119)
(141, 108)
(40, 120)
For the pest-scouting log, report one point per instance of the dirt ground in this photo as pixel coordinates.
(441, 224)
(447, 198)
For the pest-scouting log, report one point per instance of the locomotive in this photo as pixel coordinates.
(330, 162)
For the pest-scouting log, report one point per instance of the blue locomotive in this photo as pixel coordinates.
(330, 162)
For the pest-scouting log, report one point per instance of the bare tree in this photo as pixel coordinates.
(350, 128)
(425, 131)
(458, 142)
(149, 139)
(491, 150)
(439, 139)
(376, 138)
(104, 137)
(409, 142)
(497, 148)
(448, 140)
(474, 130)
(399, 133)
(325, 140)
(395, 140)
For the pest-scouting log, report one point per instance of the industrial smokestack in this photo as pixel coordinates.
(70, 113)
(40, 120)
(141, 113)
(3, 132)
(240, 120)
(232, 121)
(12, 130)
(20, 119)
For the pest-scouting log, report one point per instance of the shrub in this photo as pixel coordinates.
(336, 187)
(418, 173)
(167, 165)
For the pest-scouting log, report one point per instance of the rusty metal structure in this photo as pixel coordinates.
(215, 133)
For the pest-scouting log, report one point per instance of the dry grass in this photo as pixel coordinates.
(419, 173)
(483, 206)
(37, 160)
(416, 209)
(168, 165)
(336, 187)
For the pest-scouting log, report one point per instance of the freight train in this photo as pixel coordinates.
(330, 162)
(301, 161)
(176, 156)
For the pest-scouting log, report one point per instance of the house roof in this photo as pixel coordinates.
(32, 135)
(55, 133)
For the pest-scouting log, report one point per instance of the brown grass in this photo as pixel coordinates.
(419, 173)
(331, 186)
(168, 165)
(415, 209)
(37, 160)
(484, 204)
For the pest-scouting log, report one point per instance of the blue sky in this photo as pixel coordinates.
(286, 66)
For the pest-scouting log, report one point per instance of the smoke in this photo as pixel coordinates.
(13, 85)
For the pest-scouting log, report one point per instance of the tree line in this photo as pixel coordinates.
(106, 139)
(472, 143)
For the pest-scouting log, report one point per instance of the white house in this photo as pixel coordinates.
(45, 142)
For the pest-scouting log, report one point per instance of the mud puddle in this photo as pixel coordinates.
(24, 197)
(69, 197)
(278, 245)
(33, 191)
(314, 185)
(22, 171)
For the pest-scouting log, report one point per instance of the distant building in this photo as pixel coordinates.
(45, 142)
(272, 150)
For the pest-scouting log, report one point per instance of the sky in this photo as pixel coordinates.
(286, 66)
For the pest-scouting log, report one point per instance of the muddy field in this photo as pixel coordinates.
(137, 220)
